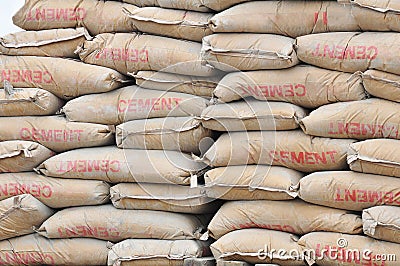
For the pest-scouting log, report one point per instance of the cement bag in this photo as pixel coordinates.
(194, 5)
(252, 115)
(37, 250)
(132, 103)
(382, 223)
(184, 134)
(22, 156)
(71, 80)
(351, 51)
(381, 6)
(303, 85)
(292, 149)
(179, 24)
(377, 156)
(381, 84)
(156, 252)
(54, 43)
(19, 214)
(298, 218)
(108, 223)
(367, 119)
(95, 16)
(117, 166)
(334, 249)
(55, 192)
(252, 182)
(55, 132)
(350, 190)
(250, 245)
(200, 86)
(246, 51)
(145, 52)
(162, 197)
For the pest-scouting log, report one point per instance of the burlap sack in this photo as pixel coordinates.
(55, 132)
(132, 103)
(179, 24)
(194, 5)
(71, 80)
(116, 165)
(334, 249)
(156, 252)
(381, 84)
(247, 51)
(37, 250)
(109, 223)
(382, 223)
(252, 115)
(184, 134)
(162, 197)
(252, 182)
(200, 86)
(55, 192)
(20, 214)
(145, 52)
(22, 156)
(351, 51)
(381, 6)
(95, 16)
(372, 118)
(349, 190)
(254, 246)
(302, 85)
(292, 149)
(54, 43)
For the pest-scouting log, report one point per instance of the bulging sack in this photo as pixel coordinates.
(55, 192)
(349, 190)
(145, 52)
(382, 85)
(252, 182)
(71, 80)
(382, 222)
(303, 85)
(194, 5)
(55, 132)
(115, 165)
(20, 214)
(132, 103)
(292, 149)
(247, 51)
(372, 118)
(22, 156)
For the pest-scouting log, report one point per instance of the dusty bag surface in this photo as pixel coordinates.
(292, 149)
(22, 156)
(298, 218)
(248, 244)
(19, 214)
(109, 223)
(162, 197)
(145, 52)
(171, 133)
(37, 250)
(303, 85)
(350, 51)
(252, 115)
(55, 132)
(95, 16)
(116, 165)
(382, 222)
(381, 6)
(72, 80)
(349, 190)
(246, 51)
(367, 119)
(381, 84)
(377, 156)
(54, 43)
(132, 103)
(55, 192)
(194, 5)
(252, 182)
